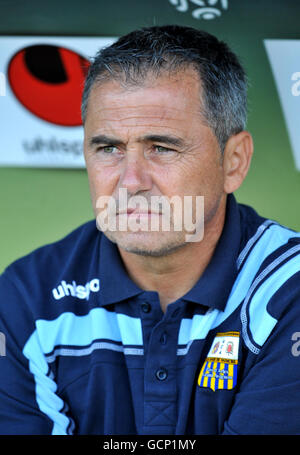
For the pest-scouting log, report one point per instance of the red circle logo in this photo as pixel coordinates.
(48, 81)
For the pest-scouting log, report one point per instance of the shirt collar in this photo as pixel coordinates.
(213, 287)
(116, 285)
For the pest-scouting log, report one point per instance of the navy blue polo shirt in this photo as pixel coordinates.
(84, 350)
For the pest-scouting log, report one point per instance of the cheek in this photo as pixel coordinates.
(102, 179)
(205, 179)
(101, 188)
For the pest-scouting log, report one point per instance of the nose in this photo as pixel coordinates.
(135, 176)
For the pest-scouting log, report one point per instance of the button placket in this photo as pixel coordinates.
(160, 373)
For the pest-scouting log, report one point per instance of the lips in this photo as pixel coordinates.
(137, 212)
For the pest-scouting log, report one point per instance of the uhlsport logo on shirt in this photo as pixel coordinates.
(219, 370)
(65, 289)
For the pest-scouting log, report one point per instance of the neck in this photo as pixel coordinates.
(173, 275)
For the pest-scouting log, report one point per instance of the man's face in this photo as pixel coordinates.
(152, 140)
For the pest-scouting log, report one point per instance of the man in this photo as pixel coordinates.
(147, 328)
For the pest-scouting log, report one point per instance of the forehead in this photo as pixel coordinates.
(175, 96)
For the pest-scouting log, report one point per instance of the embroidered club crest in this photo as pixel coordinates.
(219, 370)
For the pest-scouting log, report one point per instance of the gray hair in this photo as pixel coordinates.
(170, 48)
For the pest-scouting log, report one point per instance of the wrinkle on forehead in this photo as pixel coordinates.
(163, 97)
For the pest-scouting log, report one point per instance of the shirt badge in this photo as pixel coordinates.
(219, 370)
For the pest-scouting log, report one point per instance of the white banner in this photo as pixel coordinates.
(41, 81)
(284, 56)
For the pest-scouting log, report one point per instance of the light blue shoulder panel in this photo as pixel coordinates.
(257, 322)
(267, 239)
(76, 336)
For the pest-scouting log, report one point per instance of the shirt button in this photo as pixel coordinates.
(163, 338)
(146, 307)
(176, 312)
(161, 374)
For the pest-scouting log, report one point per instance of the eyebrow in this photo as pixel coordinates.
(162, 138)
(165, 139)
(103, 139)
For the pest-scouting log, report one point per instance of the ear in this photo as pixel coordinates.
(236, 161)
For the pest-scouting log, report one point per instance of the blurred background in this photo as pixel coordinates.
(44, 191)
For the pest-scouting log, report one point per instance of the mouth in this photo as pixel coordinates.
(137, 213)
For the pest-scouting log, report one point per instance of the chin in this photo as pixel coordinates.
(147, 244)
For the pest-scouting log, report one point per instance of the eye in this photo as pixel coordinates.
(162, 150)
(108, 149)
(108, 153)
